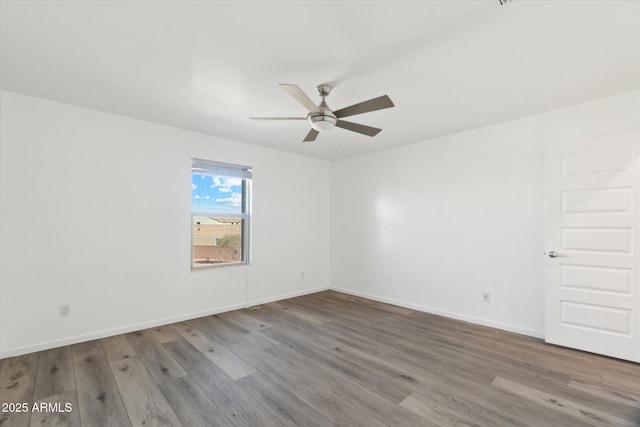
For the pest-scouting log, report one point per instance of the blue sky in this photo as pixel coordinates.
(216, 193)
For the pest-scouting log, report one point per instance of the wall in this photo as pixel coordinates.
(430, 226)
(435, 224)
(67, 172)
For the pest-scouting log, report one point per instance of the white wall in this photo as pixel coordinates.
(430, 225)
(95, 213)
(434, 224)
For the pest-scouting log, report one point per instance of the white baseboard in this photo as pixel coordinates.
(471, 319)
(286, 296)
(181, 318)
(151, 324)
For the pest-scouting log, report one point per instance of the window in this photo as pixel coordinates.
(220, 214)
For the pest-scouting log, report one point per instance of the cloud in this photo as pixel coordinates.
(193, 186)
(225, 184)
(234, 201)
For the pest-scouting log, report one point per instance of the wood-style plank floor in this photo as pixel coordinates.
(327, 359)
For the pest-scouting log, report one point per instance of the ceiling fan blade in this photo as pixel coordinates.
(379, 103)
(355, 127)
(300, 96)
(311, 136)
(278, 118)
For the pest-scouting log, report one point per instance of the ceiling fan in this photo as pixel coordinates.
(322, 118)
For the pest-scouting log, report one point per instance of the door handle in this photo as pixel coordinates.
(554, 254)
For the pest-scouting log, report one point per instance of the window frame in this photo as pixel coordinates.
(213, 168)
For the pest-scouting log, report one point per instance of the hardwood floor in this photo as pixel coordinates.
(327, 359)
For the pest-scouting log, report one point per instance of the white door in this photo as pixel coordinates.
(593, 245)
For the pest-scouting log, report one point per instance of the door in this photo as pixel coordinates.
(592, 252)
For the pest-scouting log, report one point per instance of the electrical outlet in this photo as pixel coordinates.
(65, 310)
(302, 274)
(486, 296)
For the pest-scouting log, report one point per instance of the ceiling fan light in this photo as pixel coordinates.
(322, 122)
(322, 125)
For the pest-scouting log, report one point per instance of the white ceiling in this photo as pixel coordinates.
(448, 66)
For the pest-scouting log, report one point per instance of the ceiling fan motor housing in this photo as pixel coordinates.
(324, 120)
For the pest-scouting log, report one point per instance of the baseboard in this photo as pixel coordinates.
(453, 315)
(181, 318)
(151, 324)
(286, 296)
